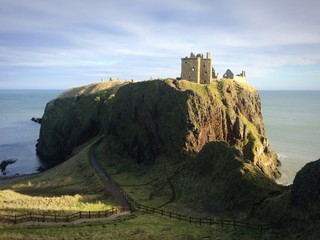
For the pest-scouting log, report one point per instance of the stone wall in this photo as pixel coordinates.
(196, 68)
(190, 69)
(205, 71)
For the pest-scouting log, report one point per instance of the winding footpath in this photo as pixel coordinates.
(110, 187)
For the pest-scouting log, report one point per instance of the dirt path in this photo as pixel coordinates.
(110, 187)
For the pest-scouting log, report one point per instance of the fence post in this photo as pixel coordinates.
(80, 215)
(179, 217)
(89, 215)
(161, 212)
(67, 218)
(15, 219)
(55, 217)
(260, 227)
(43, 217)
(210, 222)
(30, 216)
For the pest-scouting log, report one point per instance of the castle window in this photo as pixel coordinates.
(193, 69)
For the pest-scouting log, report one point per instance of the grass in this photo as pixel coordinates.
(91, 88)
(76, 175)
(147, 185)
(134, 226)
(71, 186)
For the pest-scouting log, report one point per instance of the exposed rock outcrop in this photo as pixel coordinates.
(36, 120)
(5, 163)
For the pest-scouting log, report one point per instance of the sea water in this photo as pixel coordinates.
(18, 134)
(292, 124)
(291, 118)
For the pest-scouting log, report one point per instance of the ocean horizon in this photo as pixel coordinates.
(291, 120)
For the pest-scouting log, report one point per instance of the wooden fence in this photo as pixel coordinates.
(54, 217)
(194, 220)
(57, 217)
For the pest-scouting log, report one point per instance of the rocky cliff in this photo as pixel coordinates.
(177, 118)
(73, 118)
(152, 118)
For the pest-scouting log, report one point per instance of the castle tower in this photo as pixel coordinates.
(196, 68)
(206, 70)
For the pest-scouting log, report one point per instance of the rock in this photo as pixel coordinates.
(177, 118)
(72, 119)
(36, 120)
(5, 163)
(306, 185)
(146, 119)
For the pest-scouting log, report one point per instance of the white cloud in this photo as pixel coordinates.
(129, 38)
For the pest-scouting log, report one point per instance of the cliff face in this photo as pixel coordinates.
(71, 119)
(177, 118)
(152, 118)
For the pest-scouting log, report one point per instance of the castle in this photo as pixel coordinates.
(198, 69)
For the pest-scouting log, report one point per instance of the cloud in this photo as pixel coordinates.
(134, 39)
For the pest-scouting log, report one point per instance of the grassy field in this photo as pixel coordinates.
(71, 186)
(147, 185)
(74, 186)
(134, 226)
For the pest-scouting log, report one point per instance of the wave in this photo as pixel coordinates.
(281, 156)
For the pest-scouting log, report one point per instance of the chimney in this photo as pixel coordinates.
(208, 55)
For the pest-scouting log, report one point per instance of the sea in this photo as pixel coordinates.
(291, 119)
(18, 134)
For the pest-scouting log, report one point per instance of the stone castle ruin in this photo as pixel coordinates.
(198, 69)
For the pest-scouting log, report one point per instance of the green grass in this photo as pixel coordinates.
(71, 186)
(147, 185)
(76, 175)
(134, 226)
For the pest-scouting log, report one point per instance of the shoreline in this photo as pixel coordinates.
(9, 179)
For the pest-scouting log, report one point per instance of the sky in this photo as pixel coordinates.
(60, 44)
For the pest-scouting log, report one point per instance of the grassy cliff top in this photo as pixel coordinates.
(91, 88)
